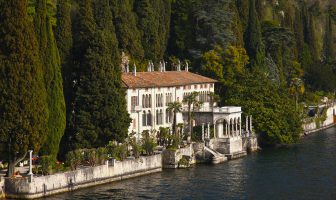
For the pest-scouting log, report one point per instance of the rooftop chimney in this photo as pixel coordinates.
(164, 66)
(149, 67)
(134, 70)
(127, 66)
(152, 65)
(187, 66)
(160, 67)
(179, 65)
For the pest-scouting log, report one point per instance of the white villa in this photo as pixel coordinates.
(149, 93)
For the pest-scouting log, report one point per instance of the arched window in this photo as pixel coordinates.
(157, 117)
(149, 118)
(150, 101)
(143, 101)
(144, 119)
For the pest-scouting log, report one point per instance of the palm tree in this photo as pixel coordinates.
(174, 107)
(296, 88)
(192, 101)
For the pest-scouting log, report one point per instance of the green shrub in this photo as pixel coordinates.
(120, 152)
(47, 164)
(136, 148)
(74, 159)
(148, 143)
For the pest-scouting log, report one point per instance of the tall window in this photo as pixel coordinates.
(159, 117)
(169, 98)
(144, 119)
(134, 102)
(159, 100)
(149, 118)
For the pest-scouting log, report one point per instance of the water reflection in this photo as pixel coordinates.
(303, 171)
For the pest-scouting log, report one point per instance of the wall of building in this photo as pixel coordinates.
(81, 178)
(177, 95)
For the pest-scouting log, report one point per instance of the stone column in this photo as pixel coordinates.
(247, 127)
(214, 127)
(209, 135)
(240, 127)
(226, 128)
(236, 128)
(229, 127)
(30, 162)
(251, 124)
(202, 131)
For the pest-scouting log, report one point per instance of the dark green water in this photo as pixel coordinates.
(303, 171)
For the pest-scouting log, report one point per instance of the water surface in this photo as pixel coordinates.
(303, 171)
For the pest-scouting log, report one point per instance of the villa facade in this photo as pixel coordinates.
(149, 94)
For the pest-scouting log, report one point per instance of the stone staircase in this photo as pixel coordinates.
(216, 156)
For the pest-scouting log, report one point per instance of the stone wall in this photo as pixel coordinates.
(171, 158)
(311, 127)
(227, 145)
(2, 187)
(81, 178)
(250, 144)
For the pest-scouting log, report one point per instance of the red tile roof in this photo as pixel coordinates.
(163, 79)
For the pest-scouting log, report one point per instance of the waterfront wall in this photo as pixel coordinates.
(250, 144)
(2, 187)
(227, 145)
(312, 127)
(171, 158)
(81, 178)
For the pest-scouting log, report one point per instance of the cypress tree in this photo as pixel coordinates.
(100, 108)
(23, 97)
(329, 49)
(127, 32)
(52, 79)
(153, 22)
(253, 39)
(299, 33)
(243, 10)
(181, 29)
(64, 39)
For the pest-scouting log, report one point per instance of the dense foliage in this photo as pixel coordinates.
(23, 96)
(267, 55)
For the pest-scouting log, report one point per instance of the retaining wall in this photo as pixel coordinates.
(2, 187)
(311, 127)
(81, 178)
(170, 158)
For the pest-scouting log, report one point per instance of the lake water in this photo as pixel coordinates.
(303, 171)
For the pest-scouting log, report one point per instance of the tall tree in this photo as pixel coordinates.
(213, 20)
(181, 29)
(253, 39)
(23, 97)
(52, 79)
(154, 22)
(100, 107)
(191, 100)
(329, 40)
(64, 39)
(127, 32)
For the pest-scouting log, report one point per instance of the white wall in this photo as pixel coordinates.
(63, 182)
(177, 95)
